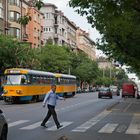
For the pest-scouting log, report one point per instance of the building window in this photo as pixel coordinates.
(17, 33)
(1, 12)
(14, 2)
(14, 16)
(47, 16)
(14, 32)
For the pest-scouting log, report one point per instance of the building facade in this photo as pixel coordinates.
(34, 28)
(3, 16)
(55, 25)
(85, 44)
(14, 12)
(71, 35)
(104, 63)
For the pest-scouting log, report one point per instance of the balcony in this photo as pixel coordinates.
(56, 24)
(25, 37)
(56, 36)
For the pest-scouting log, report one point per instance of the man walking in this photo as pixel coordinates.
(51, 99)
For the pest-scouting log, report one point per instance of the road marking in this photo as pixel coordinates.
(121, 128)
(84, 127)
(108, 128)
(17, 123)
(32, 126)
(127, 107)
(53, 128)
(134, 127)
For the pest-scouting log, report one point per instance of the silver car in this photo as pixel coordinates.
(3, 127)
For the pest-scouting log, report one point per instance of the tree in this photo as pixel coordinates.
(16, 54)
(84, 68)
(24, 20)
(11, 52)
(118, 23)
(38, 4)
(54, 59)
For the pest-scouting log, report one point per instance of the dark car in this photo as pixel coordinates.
(104, 92)
(3, 126)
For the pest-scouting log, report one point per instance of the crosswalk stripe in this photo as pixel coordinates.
(17, 123)
(108, 128)
(134, 127)
(91, 122)
(53, 128)
(32, 126)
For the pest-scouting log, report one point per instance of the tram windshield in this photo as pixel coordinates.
(15, 79)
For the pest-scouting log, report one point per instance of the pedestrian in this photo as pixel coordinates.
(50, 99)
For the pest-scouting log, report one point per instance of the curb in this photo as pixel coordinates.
(113, 105)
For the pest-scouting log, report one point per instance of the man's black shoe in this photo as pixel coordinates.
(59, 126)
(43, 125)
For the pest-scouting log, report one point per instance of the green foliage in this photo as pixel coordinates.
(39, 4)
(55, 59)
(49, 41)
(87, 70)
(118, 23)
(106, 81)
(51, 58)
(14, 53)
(23, 20)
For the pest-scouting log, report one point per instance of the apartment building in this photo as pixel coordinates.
(34, 28)
(85, 44)
(3, 16)
(14, 12)
(30, 33)
(104, 63)
(55, 25)
(71, 35)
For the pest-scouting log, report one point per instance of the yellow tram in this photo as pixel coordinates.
(31, 85)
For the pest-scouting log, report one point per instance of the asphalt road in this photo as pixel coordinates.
(84, 117)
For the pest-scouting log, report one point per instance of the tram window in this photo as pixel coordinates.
(43, 80)
(38, 79)
(34, 79)
(13, 79)
(48, 80)
(58, 80)
(23, 79)
(51, 80)
(30, 79)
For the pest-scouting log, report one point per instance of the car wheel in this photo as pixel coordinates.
(4, 133)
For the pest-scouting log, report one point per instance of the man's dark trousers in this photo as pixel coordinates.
(51, 111)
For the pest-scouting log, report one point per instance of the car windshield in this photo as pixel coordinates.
(104, 89)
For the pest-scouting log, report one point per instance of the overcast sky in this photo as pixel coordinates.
(77, 19)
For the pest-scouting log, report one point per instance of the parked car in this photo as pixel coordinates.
(3, 126)
(137, 88)
(128, 89)
(115, 90)
(104, 92)
(79, 90)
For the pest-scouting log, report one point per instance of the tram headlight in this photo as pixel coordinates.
(5, 91)
(18, 91)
